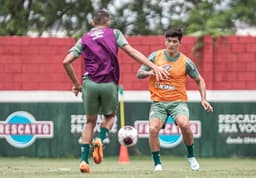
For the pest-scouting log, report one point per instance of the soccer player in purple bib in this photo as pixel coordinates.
(99, 48)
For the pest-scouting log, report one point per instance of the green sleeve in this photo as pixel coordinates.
(77, 48)
(120, 39)
(151, 57)
(191, 68)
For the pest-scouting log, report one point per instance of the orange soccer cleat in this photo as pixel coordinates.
(84, 167)
(98, 151)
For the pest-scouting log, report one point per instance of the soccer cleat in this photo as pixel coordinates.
(97, 151)
(84, 167)
(193, 164)
(158, 167)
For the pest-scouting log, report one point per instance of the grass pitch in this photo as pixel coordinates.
(137, 167)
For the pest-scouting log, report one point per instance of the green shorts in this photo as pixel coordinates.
(162, 110)
(99, 98)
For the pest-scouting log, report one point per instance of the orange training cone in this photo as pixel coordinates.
(123, 155)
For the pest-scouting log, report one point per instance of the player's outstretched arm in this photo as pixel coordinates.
(160, 72)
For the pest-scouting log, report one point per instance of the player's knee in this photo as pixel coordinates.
(184, 125)
(153, 130)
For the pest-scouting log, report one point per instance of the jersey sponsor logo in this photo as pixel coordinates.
(164, 86)
(171, 135)
(21, 129)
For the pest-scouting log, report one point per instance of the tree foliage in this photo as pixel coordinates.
(244, 11)
(207, 19)
(39, 16)
(133, 17)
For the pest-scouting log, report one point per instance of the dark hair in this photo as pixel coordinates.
(100, 17)
(176, 32)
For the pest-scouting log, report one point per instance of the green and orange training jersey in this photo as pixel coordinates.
(174, 88)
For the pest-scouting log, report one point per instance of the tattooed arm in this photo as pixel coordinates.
(142, 73)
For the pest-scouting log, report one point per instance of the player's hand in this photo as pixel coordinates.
(76, 89)
(160, 73)
(207, 106)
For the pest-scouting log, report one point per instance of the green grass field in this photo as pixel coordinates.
(138, 167)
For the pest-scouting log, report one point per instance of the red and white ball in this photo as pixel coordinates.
(128, 136)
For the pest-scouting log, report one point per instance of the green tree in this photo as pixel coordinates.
(20, 16)
(14, 16)
(205, 18)
(244, 11)
(133, 17)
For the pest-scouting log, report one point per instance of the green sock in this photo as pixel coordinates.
(103, 133)
(156, 157)
(190, 149)
(85, 148)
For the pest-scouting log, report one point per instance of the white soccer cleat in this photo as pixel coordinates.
(193, 164)
(158, 167)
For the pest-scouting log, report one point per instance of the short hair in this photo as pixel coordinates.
(100, 17)
(175, 32)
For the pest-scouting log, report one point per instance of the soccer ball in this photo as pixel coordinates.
(128, 136)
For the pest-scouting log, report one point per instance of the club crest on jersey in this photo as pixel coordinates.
(21, 129)
(167, 67)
